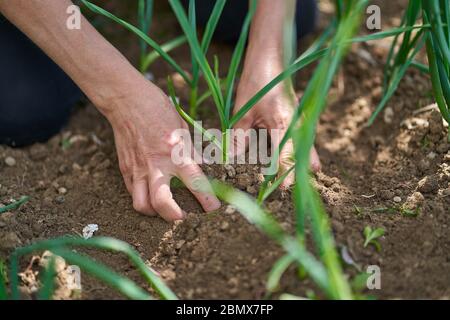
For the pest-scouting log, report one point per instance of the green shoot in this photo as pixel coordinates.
(60, 247)
(278, 269)
(371, 236)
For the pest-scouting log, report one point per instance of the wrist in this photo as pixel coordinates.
(113, 96)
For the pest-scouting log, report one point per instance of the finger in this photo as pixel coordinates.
(128, 184)
(316, 166)
(162, 199)
(141, 199)
(286, 162)
(286, 156)
(198, 184)
(240, 136)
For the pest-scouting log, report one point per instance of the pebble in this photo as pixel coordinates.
(38, 152)
(388, 115)
(224, 226)
(385, 194)
(63, 169)
(230, 210)
(447, 157)
(231, 172)
(414, 201)
(10, 161)
(429, 184)
(397, 199)
(431, 155)
(62, 190)
(243, 181)
(60, 199)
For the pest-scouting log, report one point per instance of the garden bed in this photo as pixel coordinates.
(370, 174)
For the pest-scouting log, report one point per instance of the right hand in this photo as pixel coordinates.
(144, 123)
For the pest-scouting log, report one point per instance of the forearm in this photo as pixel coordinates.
(92, 62)
(265, 53)
(266, 39)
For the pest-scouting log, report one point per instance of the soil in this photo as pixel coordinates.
(394, 174)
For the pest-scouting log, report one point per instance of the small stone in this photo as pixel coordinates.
(10, 161)
(230, 210)
(388, 115)
(397, 199)
(231, 172)
(62, 190)
(63, 169)
(385, 194)
(447, 157)
(243, 181)
(424, 165)
(431, 155)
(40, 186)
(414, 201)
(429, 184)
(76, 167)
(60, 199)
(38, 152)
(224, 226)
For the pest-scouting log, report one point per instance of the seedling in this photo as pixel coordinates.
(371, 236)
(61, 247)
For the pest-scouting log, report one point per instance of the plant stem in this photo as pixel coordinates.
(193, 102)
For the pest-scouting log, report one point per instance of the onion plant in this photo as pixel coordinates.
(326, 272)
(433, 31)
(62, 247)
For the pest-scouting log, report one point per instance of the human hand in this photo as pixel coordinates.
(145, 127)
(273, 111)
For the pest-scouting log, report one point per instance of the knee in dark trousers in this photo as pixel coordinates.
(235, 11)
(36, 96)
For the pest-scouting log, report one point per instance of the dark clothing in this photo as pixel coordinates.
(235, 11)
(36, 96)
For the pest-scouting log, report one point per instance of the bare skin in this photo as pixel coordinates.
(264, 61)
(141, 115)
